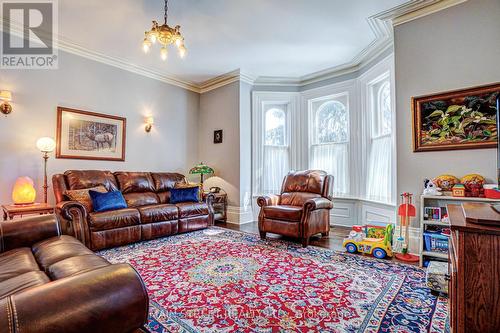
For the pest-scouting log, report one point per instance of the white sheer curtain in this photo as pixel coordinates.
(276, 166)
(379, 180)
(379, 176)
(332, 158)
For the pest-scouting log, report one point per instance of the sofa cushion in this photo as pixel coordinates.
(158, 213)
(83, 196)
(164, 181)
(76, 265)
(141, 199)
(55, 249)
(311, 181)
(22, 282)
(103, 202)
(297, 198)
(283, 212)
(130, 182)
(114, 219)
(16, 262)
(186, 194)
(81, 179)
(188, 209)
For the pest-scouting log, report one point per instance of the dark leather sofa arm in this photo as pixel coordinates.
(268, 200)
(317, 203)
(73, 217)
(108, 299)
(209, 199)
(27, 231)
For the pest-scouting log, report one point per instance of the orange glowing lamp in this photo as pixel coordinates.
(24, 192)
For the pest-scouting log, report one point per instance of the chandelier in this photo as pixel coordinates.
(164, 35)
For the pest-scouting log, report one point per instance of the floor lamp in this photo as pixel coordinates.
(46, 146)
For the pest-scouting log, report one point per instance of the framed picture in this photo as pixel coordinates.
(218, 136)
(90, 136)
(460, 119)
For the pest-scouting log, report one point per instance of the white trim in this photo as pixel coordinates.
(239, 215)
(381, 25)
(424, 11)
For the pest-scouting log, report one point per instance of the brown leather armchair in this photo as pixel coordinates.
(301, 210)
(52, 283)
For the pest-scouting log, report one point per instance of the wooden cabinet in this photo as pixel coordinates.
(474, 275)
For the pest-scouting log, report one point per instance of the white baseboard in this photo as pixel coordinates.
(239, 215)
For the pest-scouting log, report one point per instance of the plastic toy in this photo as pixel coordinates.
(430, 188)
(446, 182)
(358, 240)
(405, 211)
(459, 190)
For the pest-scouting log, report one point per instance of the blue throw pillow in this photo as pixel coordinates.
(188, 194)
(103, 202)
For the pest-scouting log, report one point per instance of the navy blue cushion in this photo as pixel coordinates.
(103, 202)
(188, 194)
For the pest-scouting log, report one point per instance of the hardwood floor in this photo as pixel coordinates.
(333, 241)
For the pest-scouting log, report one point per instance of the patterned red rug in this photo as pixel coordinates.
(218, 280)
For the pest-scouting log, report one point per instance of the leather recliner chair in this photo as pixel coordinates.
(52, 283)
(301, 210)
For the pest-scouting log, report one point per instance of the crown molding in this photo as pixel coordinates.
(64, 44)
(425, 10)
(381, 25)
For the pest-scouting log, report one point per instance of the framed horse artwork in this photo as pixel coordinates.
(90, 136)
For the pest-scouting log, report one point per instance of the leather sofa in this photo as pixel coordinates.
(52, 283)
(149, 214)
(301, 210)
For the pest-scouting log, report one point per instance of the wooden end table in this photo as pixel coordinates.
(219, 205)
(10, 211)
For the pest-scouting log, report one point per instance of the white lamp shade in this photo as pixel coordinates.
(46, 145)
(5, 95)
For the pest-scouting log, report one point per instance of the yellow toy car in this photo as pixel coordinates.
(359, 242)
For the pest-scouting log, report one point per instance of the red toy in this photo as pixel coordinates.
(406, 211)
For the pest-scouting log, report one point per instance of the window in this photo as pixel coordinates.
(329, 151)
(276, 161)
(379, 167)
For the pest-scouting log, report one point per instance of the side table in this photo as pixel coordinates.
(10, 211)
(219, 205)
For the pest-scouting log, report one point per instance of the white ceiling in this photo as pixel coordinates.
(286, 38)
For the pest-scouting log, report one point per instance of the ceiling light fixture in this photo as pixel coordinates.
(164, 35)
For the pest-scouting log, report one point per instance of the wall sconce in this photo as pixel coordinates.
(6, 97)
(149, 124)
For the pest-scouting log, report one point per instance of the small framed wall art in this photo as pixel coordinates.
(459, 119)
(218, 136)
(90, 136)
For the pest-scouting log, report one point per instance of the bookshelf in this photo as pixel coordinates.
(439, 201)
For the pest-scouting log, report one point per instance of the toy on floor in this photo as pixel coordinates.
(405, 211)
(370, 239)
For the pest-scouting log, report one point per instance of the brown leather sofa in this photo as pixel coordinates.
(149, 214)
(52, 283)
(301, 210)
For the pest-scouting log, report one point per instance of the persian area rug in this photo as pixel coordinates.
(218, 280)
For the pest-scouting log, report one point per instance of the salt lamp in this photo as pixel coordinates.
(24, 191)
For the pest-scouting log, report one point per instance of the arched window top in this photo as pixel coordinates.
(332, 123)
(275, 124)
(384, 109)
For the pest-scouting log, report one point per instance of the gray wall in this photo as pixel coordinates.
(87, 85)
(455, 48)
(219, 109)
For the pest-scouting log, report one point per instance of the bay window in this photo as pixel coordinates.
(329, 130)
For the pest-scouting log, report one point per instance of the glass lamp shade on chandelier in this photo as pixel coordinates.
(164, 35)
